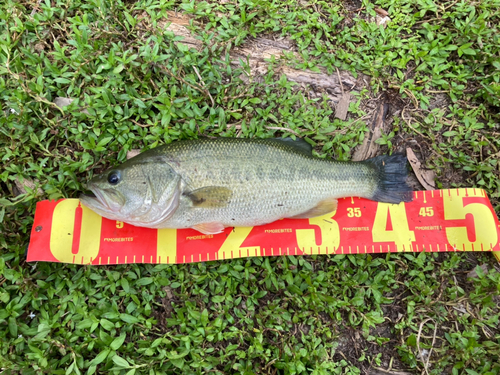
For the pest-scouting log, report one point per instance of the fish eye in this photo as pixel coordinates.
(114, 177)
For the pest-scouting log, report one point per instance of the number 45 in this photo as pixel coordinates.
(426, 211)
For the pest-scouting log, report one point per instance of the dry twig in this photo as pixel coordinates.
(201, 80)
(424, 361)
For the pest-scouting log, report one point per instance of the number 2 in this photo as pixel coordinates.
(234, 241)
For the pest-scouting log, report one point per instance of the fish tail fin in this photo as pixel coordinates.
(392, 171)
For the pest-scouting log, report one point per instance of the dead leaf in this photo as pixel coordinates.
(382, 12)
(132, 153)
(380, 20)
(342, 106)
(25, 183)
(168, 291)
(473, 273)
(383, 21)
(425, 176)
(64, 102)
(39, 47)
(370, 148)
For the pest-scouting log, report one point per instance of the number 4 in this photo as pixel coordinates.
(400, 235)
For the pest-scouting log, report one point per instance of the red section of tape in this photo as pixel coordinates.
(440, 220)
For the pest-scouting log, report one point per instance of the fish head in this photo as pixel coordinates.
(142, 192)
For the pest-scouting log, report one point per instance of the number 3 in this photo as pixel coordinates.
(330, 235)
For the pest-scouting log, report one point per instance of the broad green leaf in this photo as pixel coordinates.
(118, 342)
(121, 362)
(100, 357)
(129, 318)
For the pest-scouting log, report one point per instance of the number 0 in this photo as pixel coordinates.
(62, 233)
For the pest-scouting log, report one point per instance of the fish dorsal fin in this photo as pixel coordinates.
(210, 197)
(210, 228)
(322, 208)
(298, 144)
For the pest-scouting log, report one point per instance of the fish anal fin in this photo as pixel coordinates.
(322, 208)
(210, 228)
(210, 197)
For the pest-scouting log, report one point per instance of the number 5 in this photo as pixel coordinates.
(484, 224)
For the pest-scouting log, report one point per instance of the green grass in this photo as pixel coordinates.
(282, 315)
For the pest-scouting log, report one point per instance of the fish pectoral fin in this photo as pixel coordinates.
(210, 228)
(322, 208)
(210, 197)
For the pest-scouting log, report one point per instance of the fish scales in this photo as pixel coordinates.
(245, 182)
(269, 180)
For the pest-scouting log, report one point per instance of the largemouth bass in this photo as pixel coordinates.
(211, 184)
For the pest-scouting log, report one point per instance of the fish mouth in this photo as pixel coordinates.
(95, 199)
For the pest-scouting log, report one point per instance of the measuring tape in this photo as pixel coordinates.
(439, 220)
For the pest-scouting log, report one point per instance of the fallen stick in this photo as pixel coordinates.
(257, 51)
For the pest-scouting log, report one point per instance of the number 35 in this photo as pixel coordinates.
(353, 212)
